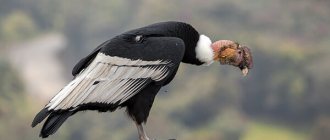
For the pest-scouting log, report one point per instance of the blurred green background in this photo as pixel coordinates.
(285, 97)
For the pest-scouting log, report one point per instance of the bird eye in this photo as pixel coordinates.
(138, 38)
(232, 60)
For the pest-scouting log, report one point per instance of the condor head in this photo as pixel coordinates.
(231, 53)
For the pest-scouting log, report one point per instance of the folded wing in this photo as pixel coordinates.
(109, 80)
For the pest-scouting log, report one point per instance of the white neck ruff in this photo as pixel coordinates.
(204, 51)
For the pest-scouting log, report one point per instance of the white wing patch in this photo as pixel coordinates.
(109, 79)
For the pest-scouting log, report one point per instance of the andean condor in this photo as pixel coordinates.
(129, 69)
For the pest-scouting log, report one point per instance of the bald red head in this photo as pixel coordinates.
(228, 52)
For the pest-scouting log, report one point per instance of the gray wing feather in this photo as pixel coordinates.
(109, 80)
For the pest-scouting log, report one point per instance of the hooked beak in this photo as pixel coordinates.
(247, 62)
(245, 71)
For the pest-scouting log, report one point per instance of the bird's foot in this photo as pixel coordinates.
(145, 138)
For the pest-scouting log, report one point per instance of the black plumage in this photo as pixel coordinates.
(127, 71)
(166, 41)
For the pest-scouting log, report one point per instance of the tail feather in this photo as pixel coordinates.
(40, 117)
(53, 122)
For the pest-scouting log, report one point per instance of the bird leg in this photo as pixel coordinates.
(142, 133)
